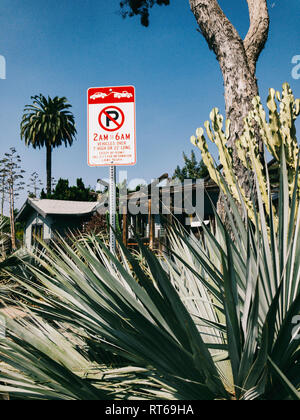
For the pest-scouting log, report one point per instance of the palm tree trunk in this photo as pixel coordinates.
(49, 169)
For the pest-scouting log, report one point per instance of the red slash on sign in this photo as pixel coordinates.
(111, 118)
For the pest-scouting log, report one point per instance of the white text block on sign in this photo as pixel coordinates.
(111, 126)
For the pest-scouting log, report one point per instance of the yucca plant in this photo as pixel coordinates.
(214, 319)
(208, 323)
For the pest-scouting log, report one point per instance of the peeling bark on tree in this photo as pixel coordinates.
(237, 59)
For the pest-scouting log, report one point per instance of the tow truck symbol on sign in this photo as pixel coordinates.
(124, 94)
(117, 95)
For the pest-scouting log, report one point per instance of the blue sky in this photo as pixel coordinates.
(62, 47)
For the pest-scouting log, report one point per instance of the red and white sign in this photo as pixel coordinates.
(111, 126)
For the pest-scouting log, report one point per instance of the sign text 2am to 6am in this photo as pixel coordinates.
(111, 126)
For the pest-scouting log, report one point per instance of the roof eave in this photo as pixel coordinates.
(20, 213)
(37, 209)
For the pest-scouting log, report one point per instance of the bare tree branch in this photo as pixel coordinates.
(239, 82)
(237, 59)
(214, 25)
(258, 32)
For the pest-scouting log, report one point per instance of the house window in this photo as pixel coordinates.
(37, 231)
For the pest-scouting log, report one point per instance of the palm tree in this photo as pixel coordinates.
(48, 123)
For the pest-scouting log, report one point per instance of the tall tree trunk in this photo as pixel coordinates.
(12, 217)
(2, 202)
(2, 214)
(49, 169)
(237, 59)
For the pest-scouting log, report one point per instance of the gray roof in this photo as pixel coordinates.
(58, 207)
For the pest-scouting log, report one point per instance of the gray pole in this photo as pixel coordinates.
(112, 207)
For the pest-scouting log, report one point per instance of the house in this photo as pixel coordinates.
(146, 212)
(44, 218)
(153, 206)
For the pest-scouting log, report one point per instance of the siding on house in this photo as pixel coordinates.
(37, 219)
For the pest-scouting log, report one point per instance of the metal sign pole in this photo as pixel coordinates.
(112, 207)
(111, 115)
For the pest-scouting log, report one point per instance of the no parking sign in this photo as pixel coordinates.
(111, 126)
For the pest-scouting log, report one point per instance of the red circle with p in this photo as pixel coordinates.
(111, 118)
